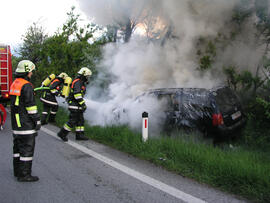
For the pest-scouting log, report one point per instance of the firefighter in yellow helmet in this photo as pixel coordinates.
(76, 106)
(25, 121)
(48, 98)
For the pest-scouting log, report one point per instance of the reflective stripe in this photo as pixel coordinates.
(52, 112)
(32, 112)
(74, 107)
(16, 155)
(80, 129)
(44, 112)
(31, 109)
(17, 116)
(78, 96)
(17, 101)
(24, 132)
(82, 102)
(26, 158)
(66, 127)
(53, 91)
(48, 102)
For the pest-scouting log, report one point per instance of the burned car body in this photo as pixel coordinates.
(216, 112)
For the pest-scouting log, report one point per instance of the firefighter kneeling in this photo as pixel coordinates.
(76, 106)
(50, 105)
(25, 121)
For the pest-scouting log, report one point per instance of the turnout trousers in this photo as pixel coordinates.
(50, 110)
(76, 119)
(23, 152)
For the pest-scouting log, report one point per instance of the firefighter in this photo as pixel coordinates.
(76, 106)
(50, 105)
(25, 121)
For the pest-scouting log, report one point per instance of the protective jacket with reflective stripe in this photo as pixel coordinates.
(24, 114)
(48, 96)
(77, 92)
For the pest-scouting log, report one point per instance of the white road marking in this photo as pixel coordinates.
(144, 178)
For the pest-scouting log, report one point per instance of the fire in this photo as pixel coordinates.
(152, 28)
(141, 30)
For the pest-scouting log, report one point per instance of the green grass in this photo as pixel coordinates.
(236, 170)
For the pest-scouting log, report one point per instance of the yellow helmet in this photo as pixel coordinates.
(85, 71)
(63, 75)
(25, 66)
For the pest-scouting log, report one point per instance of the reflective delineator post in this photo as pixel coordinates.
(144, 126)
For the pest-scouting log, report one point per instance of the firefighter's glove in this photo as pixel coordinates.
(38, 125)
(84, 107)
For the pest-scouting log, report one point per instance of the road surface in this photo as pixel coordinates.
(79, 171)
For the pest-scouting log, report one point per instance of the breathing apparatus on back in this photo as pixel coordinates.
(66, 87)
(48, 80)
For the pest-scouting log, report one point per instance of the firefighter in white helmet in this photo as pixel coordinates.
(48, 97)
(25, 121)
(76, 106)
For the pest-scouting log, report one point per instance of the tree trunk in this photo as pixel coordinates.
(128, 31)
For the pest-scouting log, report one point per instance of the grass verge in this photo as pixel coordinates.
(238, 170)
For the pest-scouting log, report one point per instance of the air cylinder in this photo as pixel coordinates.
(66, 87)
(48, 80)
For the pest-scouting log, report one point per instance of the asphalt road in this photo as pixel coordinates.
(91, 172)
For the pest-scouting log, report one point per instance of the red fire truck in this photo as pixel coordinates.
(5, 80)
(6, 72)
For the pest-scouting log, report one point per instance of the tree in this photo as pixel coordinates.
(32, 43)
(72, 47)
(67, 50)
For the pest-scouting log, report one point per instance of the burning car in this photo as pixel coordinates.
(216, 112)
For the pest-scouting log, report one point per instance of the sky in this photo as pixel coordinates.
(18, 15)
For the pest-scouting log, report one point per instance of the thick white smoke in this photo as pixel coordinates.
(138, 65)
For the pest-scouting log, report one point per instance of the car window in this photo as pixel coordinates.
(171, 101)
(225, 99)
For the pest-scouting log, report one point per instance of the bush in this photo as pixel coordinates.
(257, 133)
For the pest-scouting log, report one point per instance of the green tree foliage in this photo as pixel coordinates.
(242, 12)
(205, 62)
(207, 54)
(69, 49)
(65, 51)
(265, 106)
(32, 43)
(253, 87)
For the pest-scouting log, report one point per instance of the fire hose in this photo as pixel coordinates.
(41, 88)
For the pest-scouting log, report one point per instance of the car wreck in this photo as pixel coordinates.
(216, 112)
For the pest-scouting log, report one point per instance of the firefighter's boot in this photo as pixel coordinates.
(16, 166)
(63, 134)
(25, 170)
(52, 118)
(81, 136)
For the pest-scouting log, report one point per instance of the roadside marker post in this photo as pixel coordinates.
(145, 126)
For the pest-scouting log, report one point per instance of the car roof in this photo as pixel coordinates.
(175, 90)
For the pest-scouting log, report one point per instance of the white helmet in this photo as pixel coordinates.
(25, 66)
(85, 71)
(63, 75)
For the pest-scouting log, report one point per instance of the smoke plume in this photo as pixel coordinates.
(140, 65)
